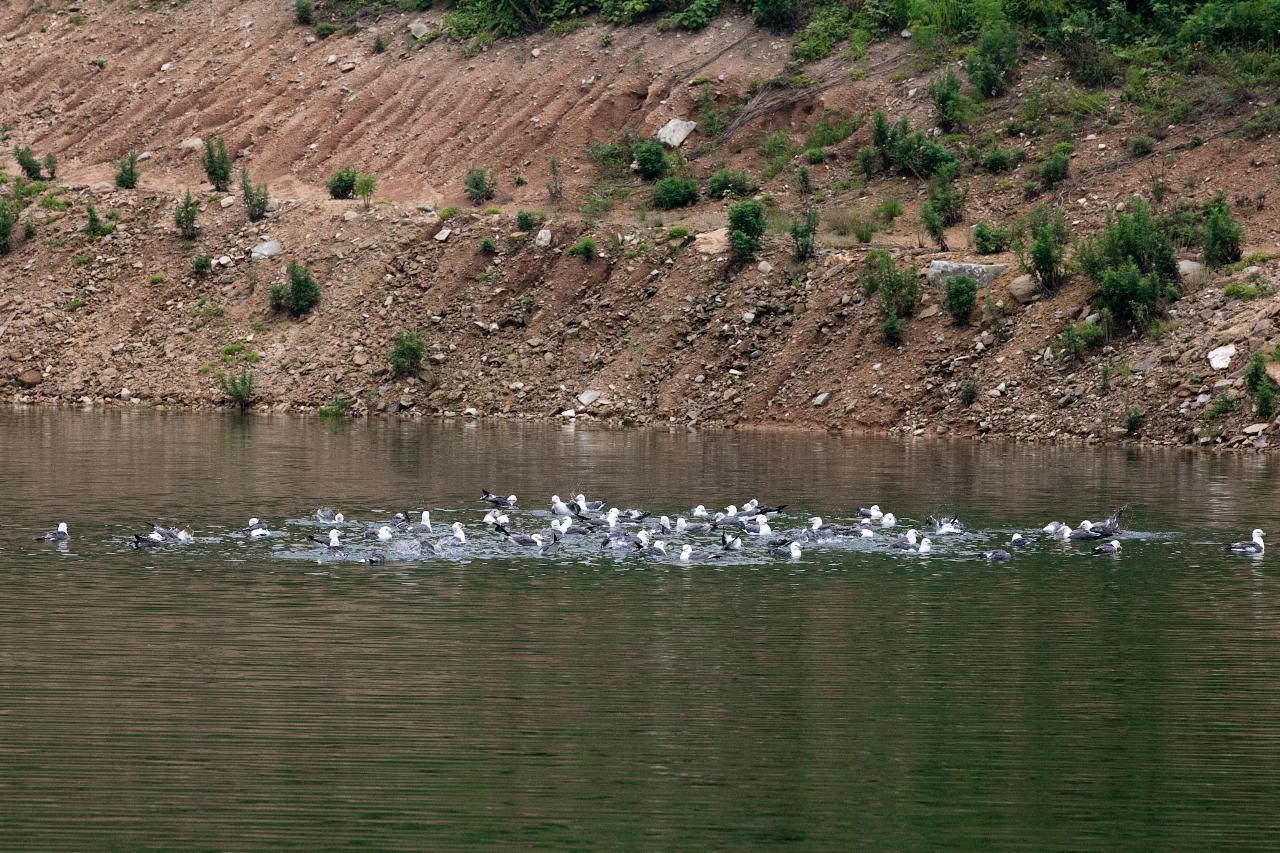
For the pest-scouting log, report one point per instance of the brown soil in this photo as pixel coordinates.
(658, 328)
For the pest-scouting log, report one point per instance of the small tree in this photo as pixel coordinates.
(127, 171)
(1255, 372)
(342, 183)
(406, 353)
(1264, 401)
(555, 184)
(51, 166)
(1222, 235)
(479, 184)
(297, 297)
(950, 107)
(584, 248)
(934, 224)
(366, 183)
(95, 227)
(672, 192)
(802, 232)
(238, 387)
(1043, 256)
(960, 298)
(27, 162)
(302, 12)
(746, 227)
(7, 220)
(185, 217)
(993, 60)
(217, 163)
(255, 197)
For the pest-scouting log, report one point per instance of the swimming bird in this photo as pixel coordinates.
(818, 532)
(1084, 532)
(328, 516)
(502, 503)
(493, 518)
(683, 526)
(906, 542)
(59, 535)
(1112, 547)
(456, 538)
(423, 526)
(688, 555)
(888, 520)
(664, 524)
(698, 511)
(754, 507)
(789, 550)
(657, 549)
(926, 545)
(758, 527)
(588, 506)
(997, 555)
(946, 526)
(580, 527)
(721, 519)
(1053, 527)
(375, 558)
(872, 513)
(1111, 526)
(333, 547)
(150, 541)
(533, 541)
(382, 534)
(559, 507)
(633, 515)
(185, 536)
(730, 543)
(257, 529)
(1253, 546)
(163, 533)
(1019, 541)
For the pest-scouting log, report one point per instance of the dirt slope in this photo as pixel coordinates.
(658, 330)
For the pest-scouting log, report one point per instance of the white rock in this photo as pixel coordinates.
(1220, 358)
(939, 272)
(347, 67)
(749, 318)
(568, 413)
(1254, 429)
(350, 215)
(586, 398)
(543, 240)
(191, 143)
(764, 267)
(418, 29)
(166, 66)
(443, 234)
(227, 201)
(224, 261)
(712, 242)
(265, 250)
(1192, 272)
(820, 400)
(675, 132)
(331, 59)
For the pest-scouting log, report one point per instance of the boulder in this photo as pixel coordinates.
(820, 400)
(1220, 358)
(1024, 289)
(939, 272)
(586, 398)
(1192, 272)
(30, 378)
(543, 240)
(268, 249)
(191, 143)
(418, 29)
(675, 132)
(712, 242)
(1254, 429)
(443, 234)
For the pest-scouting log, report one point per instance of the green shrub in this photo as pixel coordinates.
(1130, 238)
(998, 161)
(815, 156)
(827, 27)
(238, 387)
(990, 239)
(863, 229)
(379, 46)
(1132, 420)
(185, 217)
(1141, 145)
(746, 227)
(1043, 256)
(802, 233)
(324, 29)
(1220, 405)
(585, 248)
(487, 246)
(950, 108)
(776, 151)
(479, 184)
(672, 192)
(27, 162)
(7, 220)
(255, 197)
(342, 183)
(448, 213)
(51, 166)
(127, 171)
(1222, 235)
(1129, 297)
(679, 232)
(802, 180)
(826, 132)
(1077, 338)
(201, 265)
(1255, 372)
(868, 161)
(302, 12)
(1264, 401)
(650, 159)
(969, 391)
(960, 298)
(993, 59)
(892, 327)
(1241, 291)
(366, 183)
(1054, 169)
(727, 182)
(777, 15)
(946, 198)
(217, 163)
(406, 353)
(898, 287)
(299, 296)
(95, 227)
(1084, 49)
(525, 220)
(898, 146)
(934, 225)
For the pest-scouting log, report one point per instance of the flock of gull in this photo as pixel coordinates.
(753, 527)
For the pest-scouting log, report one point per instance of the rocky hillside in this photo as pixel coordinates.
(664, 322)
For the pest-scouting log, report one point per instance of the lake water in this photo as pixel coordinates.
(252, 695)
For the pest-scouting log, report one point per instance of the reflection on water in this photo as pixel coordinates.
(220, 696)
